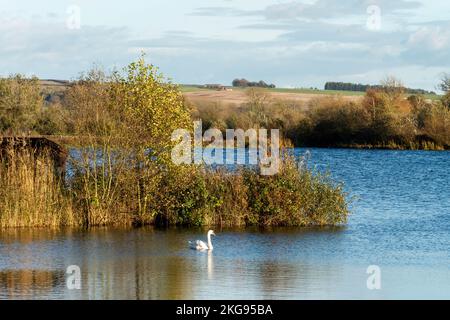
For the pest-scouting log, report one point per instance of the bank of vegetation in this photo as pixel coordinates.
(385, 117)
(120, 170)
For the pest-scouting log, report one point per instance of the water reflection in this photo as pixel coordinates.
(210, 265)
(147, 264)
(158, 264)
(25, 284)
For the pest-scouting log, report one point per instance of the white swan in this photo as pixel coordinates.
(200, 245)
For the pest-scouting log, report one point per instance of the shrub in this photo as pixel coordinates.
(20, 103)
(436, 124)
(295, 197)
(333, 121)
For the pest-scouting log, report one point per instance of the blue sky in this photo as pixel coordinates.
(290, 43)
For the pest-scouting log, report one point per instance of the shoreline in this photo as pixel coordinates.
(66, 141)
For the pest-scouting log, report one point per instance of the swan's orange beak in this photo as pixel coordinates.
(213, 234)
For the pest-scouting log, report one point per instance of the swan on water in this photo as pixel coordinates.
(200, 245)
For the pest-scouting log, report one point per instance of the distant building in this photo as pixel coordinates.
(213, 86)
(217, 86)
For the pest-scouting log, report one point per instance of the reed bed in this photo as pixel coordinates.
(97, 193)
(31, 194)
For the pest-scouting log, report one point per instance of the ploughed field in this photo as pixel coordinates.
(238, 96)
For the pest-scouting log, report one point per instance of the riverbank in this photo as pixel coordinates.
(32, 196)
(385, 119)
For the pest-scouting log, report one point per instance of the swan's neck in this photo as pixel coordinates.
(210, 246)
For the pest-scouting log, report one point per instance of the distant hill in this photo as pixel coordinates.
(54, 83)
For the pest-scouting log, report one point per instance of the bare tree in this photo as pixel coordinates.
(393, 87)
(445, 83)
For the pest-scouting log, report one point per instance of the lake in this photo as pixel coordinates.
(400, 223)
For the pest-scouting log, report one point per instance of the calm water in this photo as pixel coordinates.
(400, 222)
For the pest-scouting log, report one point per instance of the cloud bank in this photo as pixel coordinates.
(290, 43)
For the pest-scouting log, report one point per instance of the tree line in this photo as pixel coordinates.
(348, 86)
(245, 83)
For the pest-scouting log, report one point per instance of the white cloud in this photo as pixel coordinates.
(433, 38)
(47, 48)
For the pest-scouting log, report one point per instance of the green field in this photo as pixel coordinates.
(191, 88)
(314, 91)
(195, 88)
